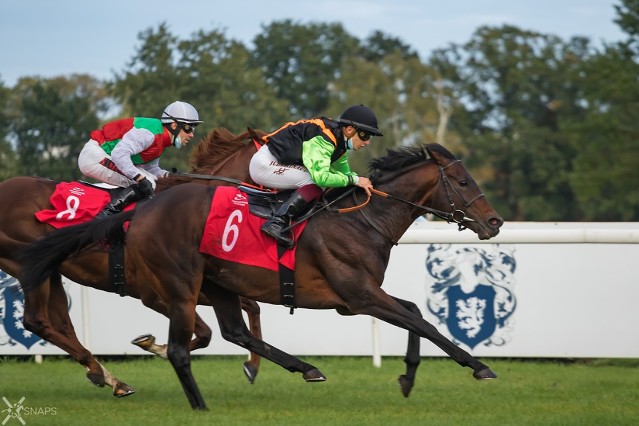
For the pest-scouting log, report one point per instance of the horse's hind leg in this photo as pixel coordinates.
(252, 309)
(202, 331)
(182, 324)
(229, 316)
(46, 314)
(412, 358)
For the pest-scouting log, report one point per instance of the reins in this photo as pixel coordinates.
(456, 215)
(220, 178)
(448, 216)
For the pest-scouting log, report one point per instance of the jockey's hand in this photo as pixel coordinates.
(145, 186)
(365, 183)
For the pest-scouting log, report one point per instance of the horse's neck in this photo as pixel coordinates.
(390, 218)
(394, 216)
(235, 166)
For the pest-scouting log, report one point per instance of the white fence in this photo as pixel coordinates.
(536, 290)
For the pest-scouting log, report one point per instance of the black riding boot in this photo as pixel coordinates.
(130, 195)
(282, 219)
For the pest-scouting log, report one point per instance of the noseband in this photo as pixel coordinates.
(457, 216)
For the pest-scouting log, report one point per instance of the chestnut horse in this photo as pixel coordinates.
(341, 258)
(46, 311)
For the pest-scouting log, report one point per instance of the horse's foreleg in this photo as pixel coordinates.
(382, 306)
(232, 326)
(182, 324)
(252, 309)
(46, 314)
(412, 358)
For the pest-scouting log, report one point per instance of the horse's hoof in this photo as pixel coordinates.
(147, 342)
(122, 389)
(405, 385)
(314, 375)
(484, 374)
(144, 341)
(250, 372)
(96, 378)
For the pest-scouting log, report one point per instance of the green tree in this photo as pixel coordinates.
(51, 121)
(628, 19)
(519, 89)
(209, 71)
(607, 164)
(300, 62)
(379, 45)
(8, 164)
(150, 80)
(404, 95)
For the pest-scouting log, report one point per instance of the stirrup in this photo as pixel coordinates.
(109, 210)
(284, 240)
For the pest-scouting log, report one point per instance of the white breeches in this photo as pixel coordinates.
(266, 171)
(92, 160)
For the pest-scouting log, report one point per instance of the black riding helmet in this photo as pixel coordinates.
(362, 118)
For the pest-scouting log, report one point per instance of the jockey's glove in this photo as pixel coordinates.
(146, 187)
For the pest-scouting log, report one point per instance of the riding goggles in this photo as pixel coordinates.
(363, 135)
(187, 128)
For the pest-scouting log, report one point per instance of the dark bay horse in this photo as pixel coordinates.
(341, 258)
(46, 311)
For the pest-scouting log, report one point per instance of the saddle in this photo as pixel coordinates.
(264, 203)
(113, 191)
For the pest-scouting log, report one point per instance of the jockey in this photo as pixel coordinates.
(311, 155)
(127, 152)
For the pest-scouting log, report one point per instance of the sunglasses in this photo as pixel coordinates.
(363, 135)
(187, 128)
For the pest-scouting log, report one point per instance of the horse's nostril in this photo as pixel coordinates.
(496, 222)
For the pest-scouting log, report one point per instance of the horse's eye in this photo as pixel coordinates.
(463, 183)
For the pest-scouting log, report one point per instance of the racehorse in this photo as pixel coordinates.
(340, 258)
(46, 310)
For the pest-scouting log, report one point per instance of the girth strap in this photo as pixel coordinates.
(287, 282)
(116, 267)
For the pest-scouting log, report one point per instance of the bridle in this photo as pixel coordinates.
(456, 215)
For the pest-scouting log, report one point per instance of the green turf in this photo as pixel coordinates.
(602, 392)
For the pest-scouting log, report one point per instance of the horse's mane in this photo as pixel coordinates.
(402, 157)
(216, 146)
(213, 149)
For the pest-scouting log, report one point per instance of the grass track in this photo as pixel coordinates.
(526, 393)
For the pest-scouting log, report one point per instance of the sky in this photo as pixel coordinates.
(50, 38)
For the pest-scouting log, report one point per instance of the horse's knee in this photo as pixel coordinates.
(35, 325)
(205, 339)
(250, 306)
(413, 308)
(236, 335)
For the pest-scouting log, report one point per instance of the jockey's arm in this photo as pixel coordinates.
(133, 142)
(154, 168)
(316, 156)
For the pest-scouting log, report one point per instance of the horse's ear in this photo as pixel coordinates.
(255, 134)
(434, 155)
(435, 152)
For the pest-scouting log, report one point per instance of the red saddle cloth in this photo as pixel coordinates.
(74, 203)
(233, 233)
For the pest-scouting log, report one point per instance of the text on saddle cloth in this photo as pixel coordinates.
(233, 233)
(74, 203)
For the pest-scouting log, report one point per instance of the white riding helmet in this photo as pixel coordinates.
(181, 112)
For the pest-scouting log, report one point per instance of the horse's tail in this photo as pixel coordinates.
(41, 259)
